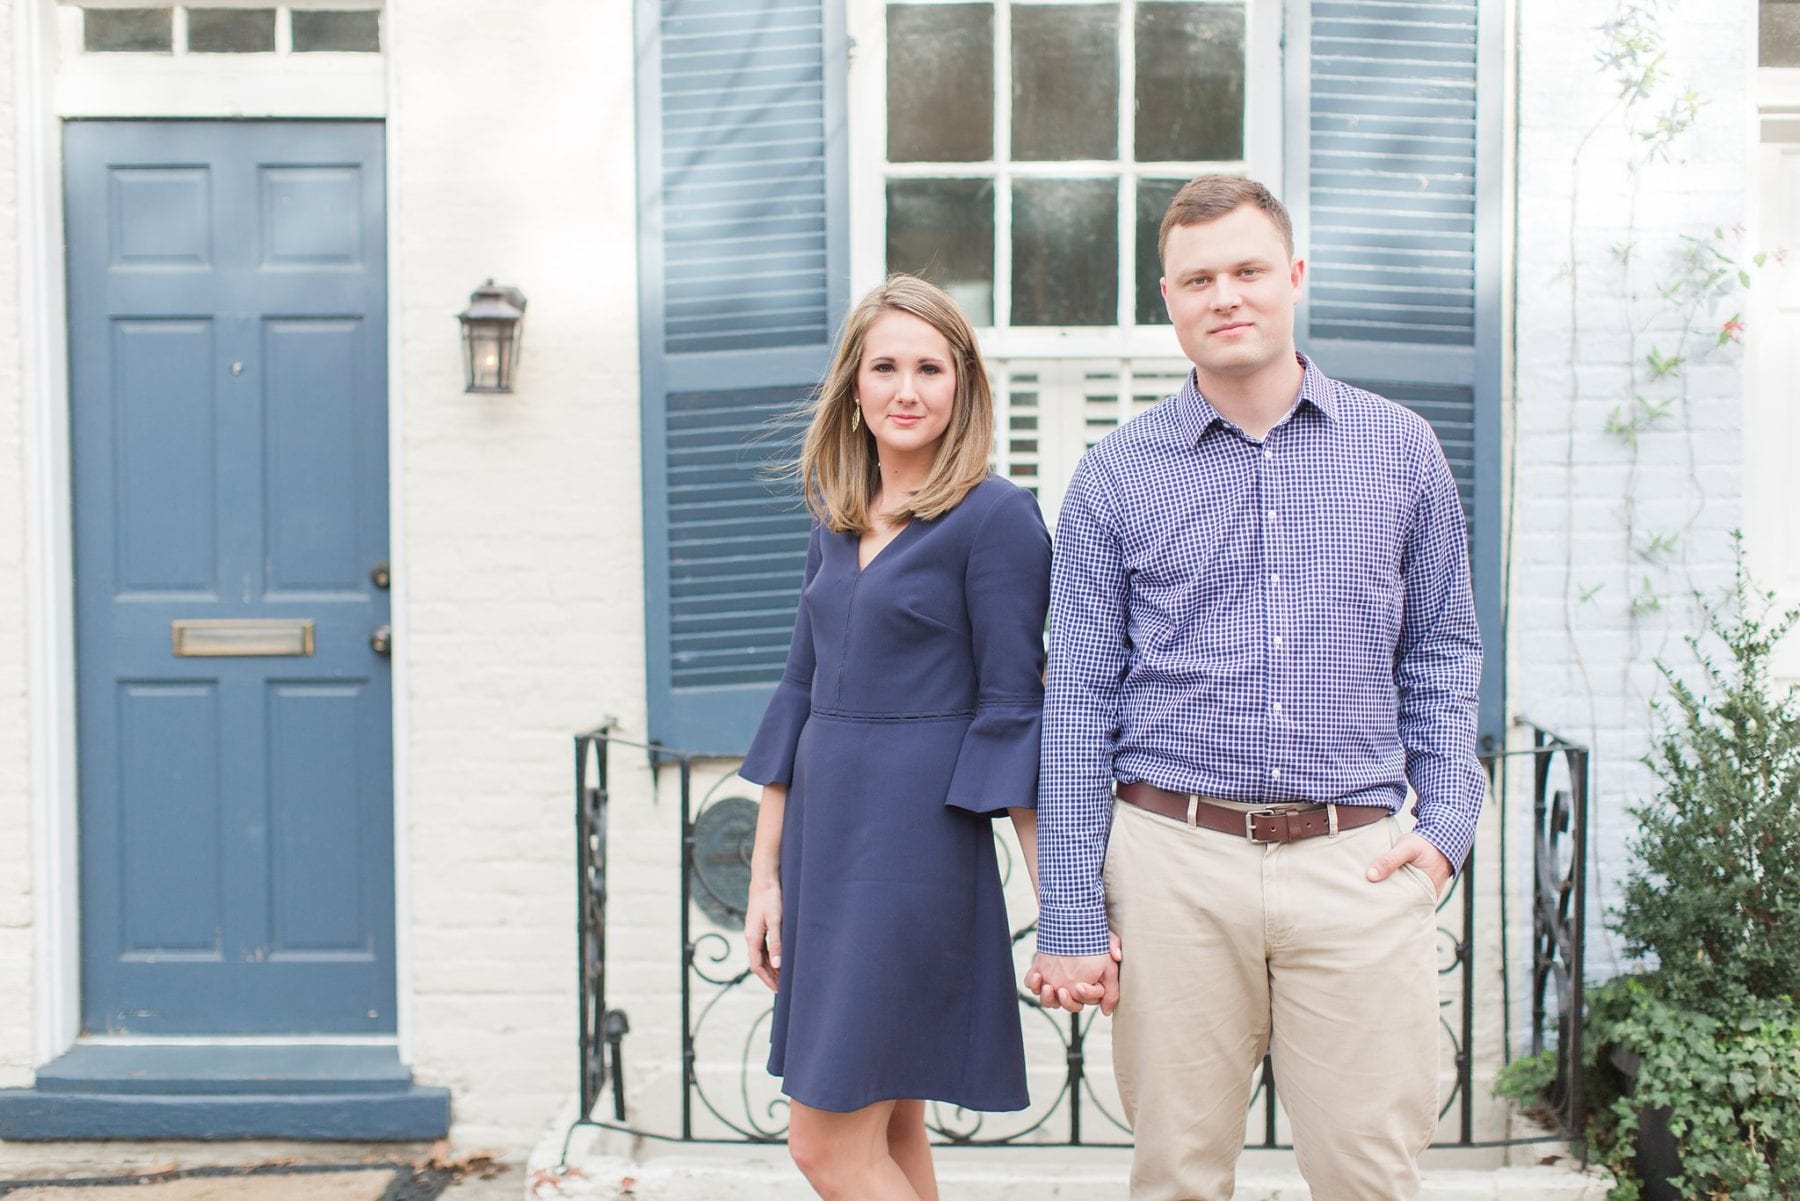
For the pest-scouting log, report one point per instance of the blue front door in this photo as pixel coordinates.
(228, 395)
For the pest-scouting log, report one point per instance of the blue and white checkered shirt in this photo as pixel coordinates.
(1283, 620)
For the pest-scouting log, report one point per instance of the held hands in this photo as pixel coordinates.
(1070, 982)
(1415, 850)
(762, 931)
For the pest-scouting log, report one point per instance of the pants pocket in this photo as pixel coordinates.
(1424, 880)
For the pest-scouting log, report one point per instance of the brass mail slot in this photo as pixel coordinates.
(198, 638)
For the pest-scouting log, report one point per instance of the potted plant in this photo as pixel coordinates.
(1695, 1079)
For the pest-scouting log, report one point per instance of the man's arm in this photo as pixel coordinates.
(1437, 669)
(1088, 655)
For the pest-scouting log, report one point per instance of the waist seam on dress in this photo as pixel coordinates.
(863, 715)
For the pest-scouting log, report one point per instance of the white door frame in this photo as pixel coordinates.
(49, 555)
(1770, 428)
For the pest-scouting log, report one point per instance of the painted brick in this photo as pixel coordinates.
(521, 518)
(18, 1009)
(1566, 105)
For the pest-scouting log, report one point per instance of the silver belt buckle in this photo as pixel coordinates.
(1250, 817)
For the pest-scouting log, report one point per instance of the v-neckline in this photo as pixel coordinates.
(856, 547)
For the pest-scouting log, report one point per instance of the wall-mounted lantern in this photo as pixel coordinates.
(492, 327)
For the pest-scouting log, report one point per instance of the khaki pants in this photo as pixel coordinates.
(1231, 948)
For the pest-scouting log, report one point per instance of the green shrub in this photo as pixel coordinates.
(1524, 1081)
(1730, 1085)
(1711, 909)
(1711, 914)
(1715, 896)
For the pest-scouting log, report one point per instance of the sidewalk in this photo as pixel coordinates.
(604, 1166)
(607, 1167)
(251, 1171)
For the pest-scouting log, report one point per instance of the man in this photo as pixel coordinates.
(1261, 631)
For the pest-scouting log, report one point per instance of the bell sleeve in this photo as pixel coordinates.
(1007, 589)
(770, 759)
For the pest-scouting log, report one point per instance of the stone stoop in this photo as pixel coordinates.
(606, 1167)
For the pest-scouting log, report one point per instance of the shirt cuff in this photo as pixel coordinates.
(1077, 931)
(1454, 849)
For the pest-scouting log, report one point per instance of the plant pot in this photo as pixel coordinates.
(1656, 1159)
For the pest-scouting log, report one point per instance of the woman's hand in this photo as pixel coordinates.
(762, 931)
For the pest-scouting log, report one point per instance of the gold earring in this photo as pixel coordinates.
(855, 414)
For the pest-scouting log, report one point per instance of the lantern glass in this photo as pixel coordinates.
(488, 356)
(491, 329)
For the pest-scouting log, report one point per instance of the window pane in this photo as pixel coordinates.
(1065, 62)
(231, 30)
(1190, 82)
(1780, 42)
(940, 83)
(1153, 196)
(356, 32)
(1065, 240)
(107, 29)
(943, 231)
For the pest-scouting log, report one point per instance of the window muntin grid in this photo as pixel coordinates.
(227, 27)
(1045, 221)
(1058, 388)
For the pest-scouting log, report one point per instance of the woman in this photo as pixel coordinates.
(907, 716)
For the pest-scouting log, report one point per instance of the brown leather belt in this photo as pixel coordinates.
(1257, 825)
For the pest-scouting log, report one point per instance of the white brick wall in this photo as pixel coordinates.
(17, 1005)
(519, 538)
(1584, 667)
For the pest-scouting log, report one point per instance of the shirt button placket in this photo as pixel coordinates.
(1272, 608)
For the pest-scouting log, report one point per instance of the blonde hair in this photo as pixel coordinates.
(839, 474)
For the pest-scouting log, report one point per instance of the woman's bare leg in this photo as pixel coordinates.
(910, 1147)
(844, 1156)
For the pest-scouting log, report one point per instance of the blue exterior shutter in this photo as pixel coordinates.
(743, 274)
(1393, 177)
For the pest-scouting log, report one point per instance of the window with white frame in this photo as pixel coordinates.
(1020, 153)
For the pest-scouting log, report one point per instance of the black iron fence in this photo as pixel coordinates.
(725, 1009)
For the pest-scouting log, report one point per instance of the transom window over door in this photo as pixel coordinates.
(229, 59)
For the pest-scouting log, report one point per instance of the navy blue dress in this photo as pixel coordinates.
(908, 716)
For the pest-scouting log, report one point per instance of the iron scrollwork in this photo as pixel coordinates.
(602, 1030)
(726, 1012)
(1559, 913)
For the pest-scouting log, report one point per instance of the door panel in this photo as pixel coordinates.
(170, 811)
(227, 310)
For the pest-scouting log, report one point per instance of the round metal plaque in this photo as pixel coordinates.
(720, 880)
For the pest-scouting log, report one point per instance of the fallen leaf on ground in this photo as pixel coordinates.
(550, 1178)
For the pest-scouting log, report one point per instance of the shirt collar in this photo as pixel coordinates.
(1196, 414)
(1316, 389)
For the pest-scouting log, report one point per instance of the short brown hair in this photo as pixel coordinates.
(1209, 197)
(838, 472)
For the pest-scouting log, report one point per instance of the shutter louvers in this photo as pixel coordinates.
(737, 538)
(742, 278)
(1392, 189)
(1393, 178)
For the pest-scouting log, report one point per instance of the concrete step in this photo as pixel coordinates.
(225, 1091)
(606, 1167)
